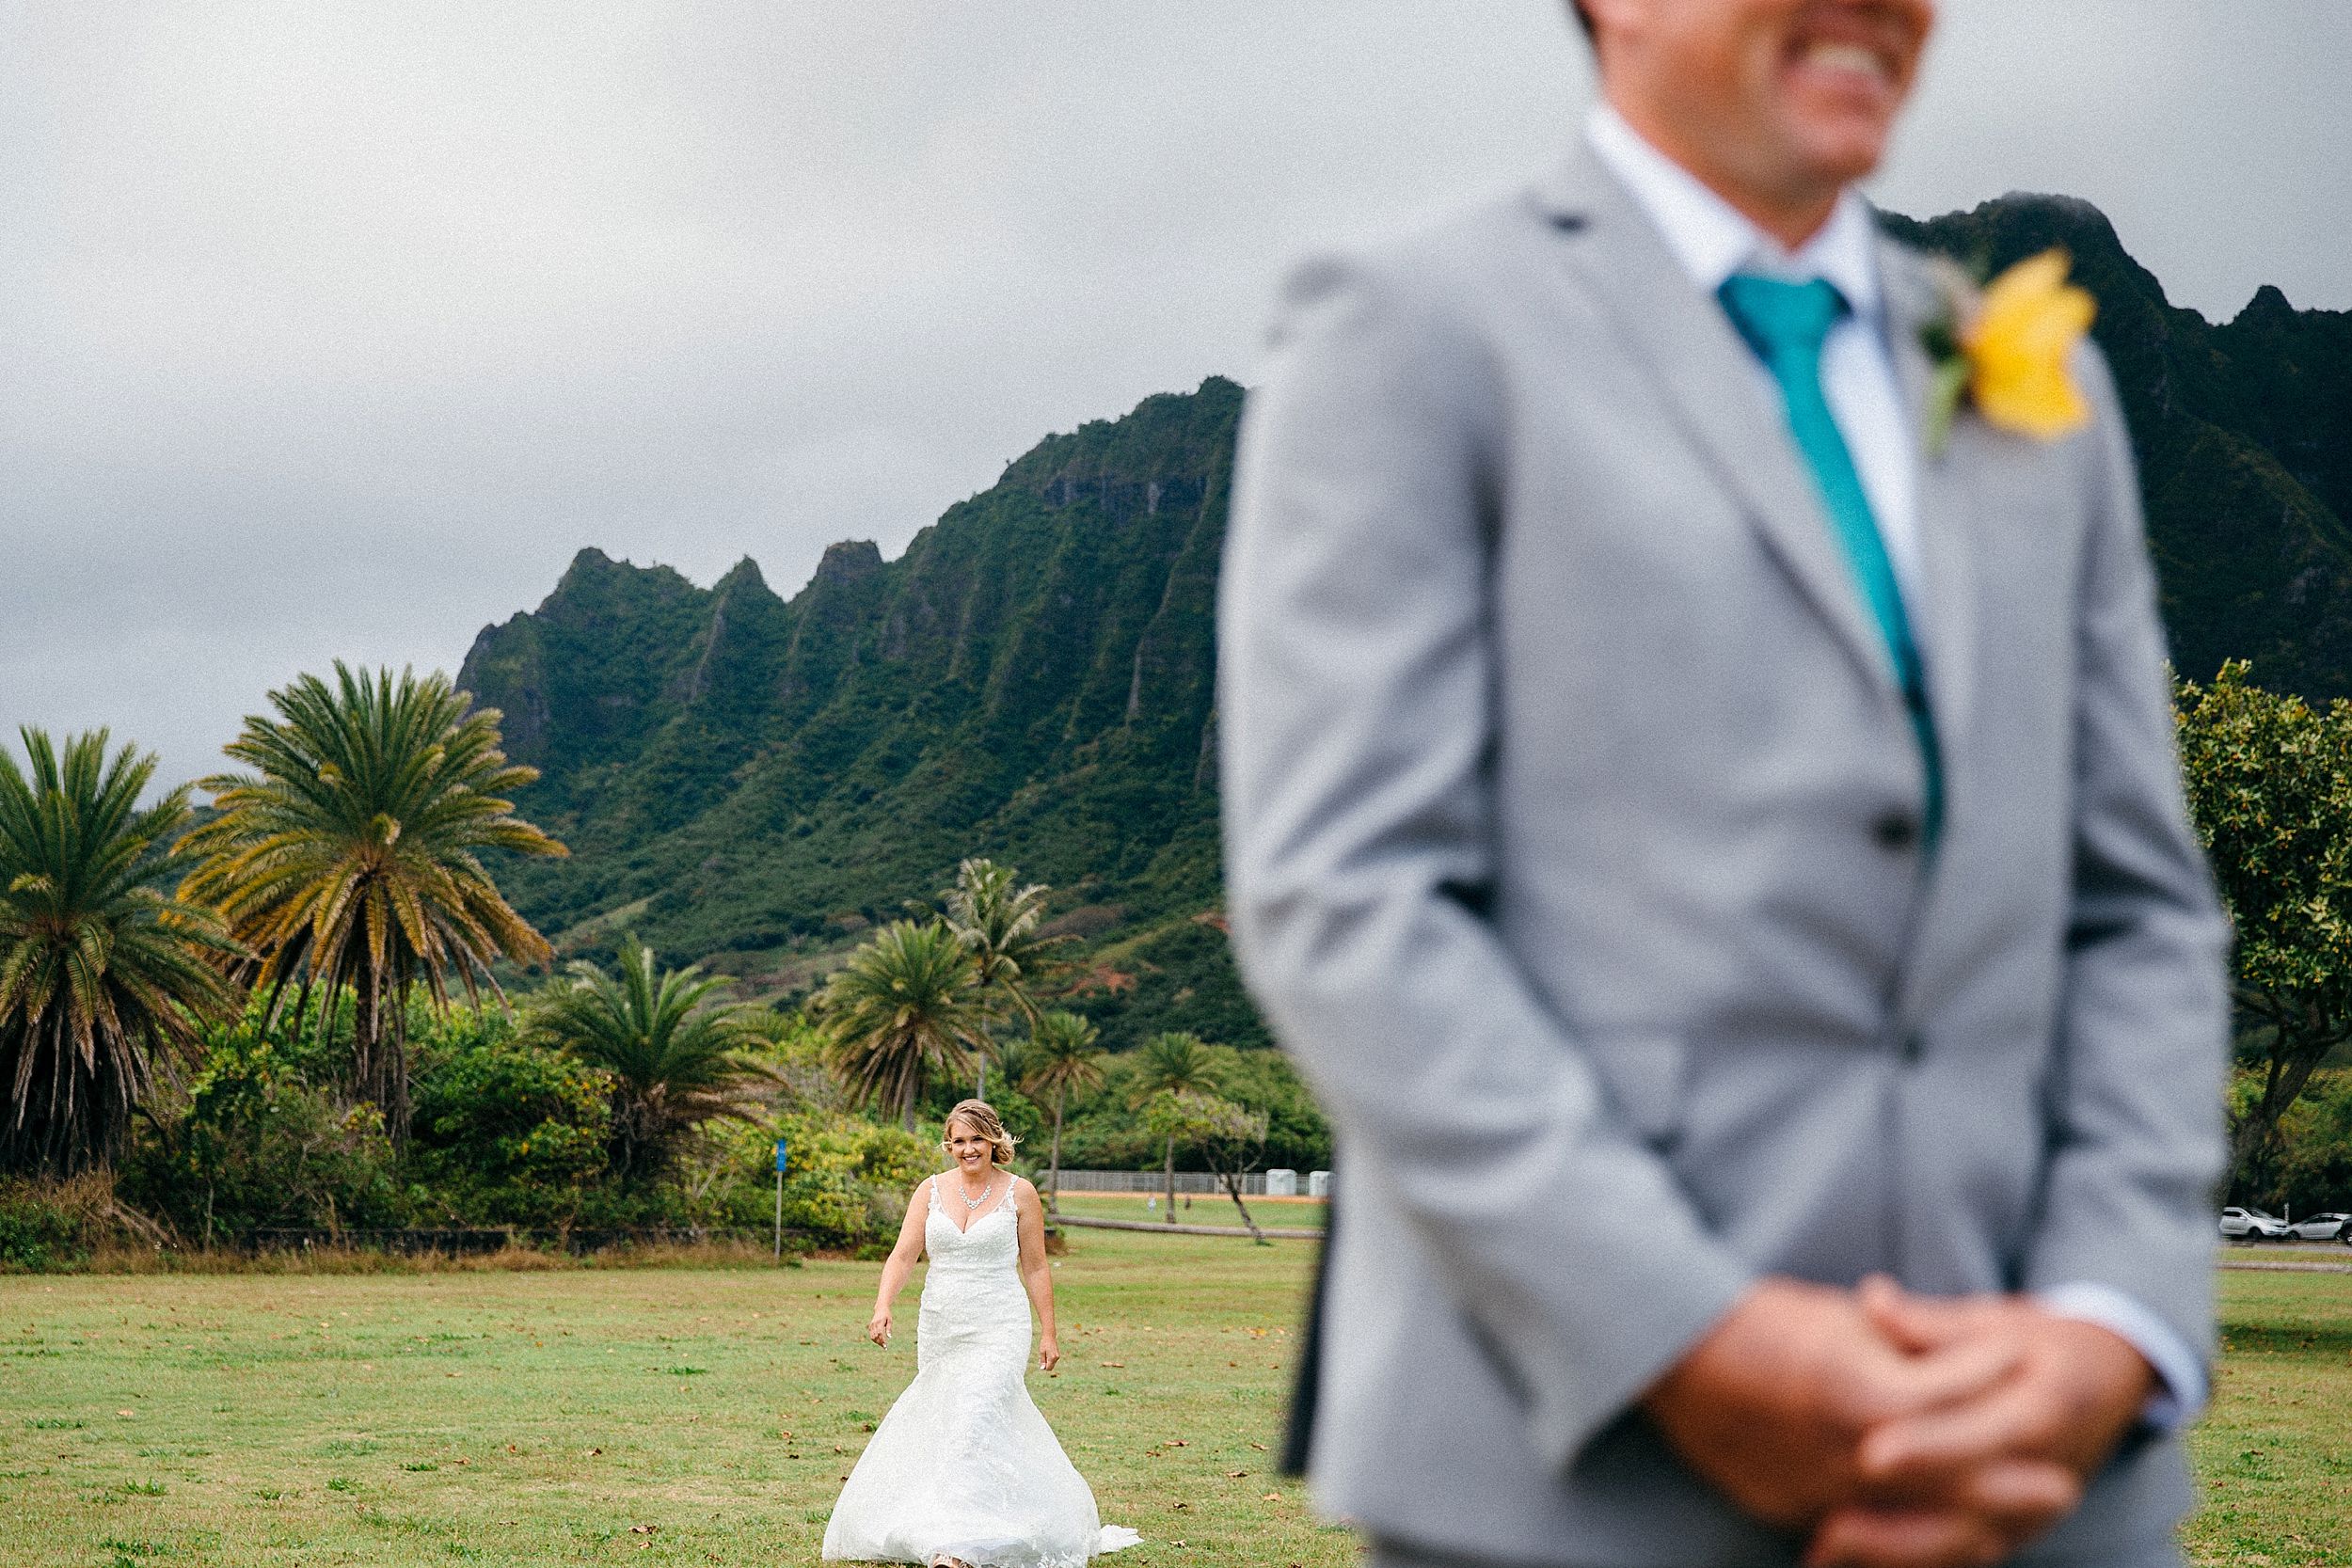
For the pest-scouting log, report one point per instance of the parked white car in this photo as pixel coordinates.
(2252, 1224)
(2321, 1227)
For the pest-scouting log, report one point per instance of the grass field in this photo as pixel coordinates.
(651, 1416)
(706, 1415)
(2274, 1454)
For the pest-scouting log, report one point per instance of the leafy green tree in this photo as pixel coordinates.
(508, 1133)
(1173, 1063)
(997, 921)
(350, 855)
(668, 1039)
(1061, 1058)
(2313, 1170)
(1229, 1138)
(2270, 789)
(905, 1007)
(104, 980)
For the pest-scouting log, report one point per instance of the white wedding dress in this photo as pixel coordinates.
(963, 1464)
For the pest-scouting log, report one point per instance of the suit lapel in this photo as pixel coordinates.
(1687, 345)
(1948, 593)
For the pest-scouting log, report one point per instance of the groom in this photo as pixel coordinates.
(1720, 859)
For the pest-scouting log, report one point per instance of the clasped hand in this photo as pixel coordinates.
(1900, 1431)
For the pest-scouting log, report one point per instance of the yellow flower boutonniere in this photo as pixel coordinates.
(2006, 348)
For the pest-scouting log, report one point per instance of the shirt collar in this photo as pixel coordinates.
(1712, 238)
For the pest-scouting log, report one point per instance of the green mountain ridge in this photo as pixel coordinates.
(763, 779)
(2243, 430)
(752, 780)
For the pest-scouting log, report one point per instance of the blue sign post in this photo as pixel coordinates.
(780, 1159)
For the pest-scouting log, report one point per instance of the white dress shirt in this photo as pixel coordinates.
(1712, 240)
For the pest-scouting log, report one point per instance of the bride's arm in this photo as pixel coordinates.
(901, 1261)
(1037, 1274)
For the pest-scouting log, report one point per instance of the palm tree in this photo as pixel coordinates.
(669, 1038)
(906, 1006)
(1061, 1058)
(1173, 1064)
(104, 980)
(996, 922)
(351, 854)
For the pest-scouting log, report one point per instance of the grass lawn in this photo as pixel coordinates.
(701, 1415)
(2274, 1454)
(642, 1416)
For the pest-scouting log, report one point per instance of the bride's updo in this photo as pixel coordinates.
(982, 1118)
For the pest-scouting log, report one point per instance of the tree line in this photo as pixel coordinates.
(335, 903)
(200, 982)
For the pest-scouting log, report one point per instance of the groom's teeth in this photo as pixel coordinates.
(1846, 56)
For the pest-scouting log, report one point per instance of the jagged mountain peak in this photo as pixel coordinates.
(847, 561)
(744, 574)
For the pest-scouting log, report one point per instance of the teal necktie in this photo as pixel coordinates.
(1786, 324)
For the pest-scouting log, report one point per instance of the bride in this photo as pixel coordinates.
(963, 1472)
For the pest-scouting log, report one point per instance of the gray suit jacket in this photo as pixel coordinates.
(1573, 848)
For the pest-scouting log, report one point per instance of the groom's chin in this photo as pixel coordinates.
(1839, 144)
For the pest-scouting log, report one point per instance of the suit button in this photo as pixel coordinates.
(1896, 831)
(1911, 1048)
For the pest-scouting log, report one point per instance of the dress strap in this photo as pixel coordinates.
(934, 1199)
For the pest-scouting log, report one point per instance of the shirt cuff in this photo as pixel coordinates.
(2182, 1384)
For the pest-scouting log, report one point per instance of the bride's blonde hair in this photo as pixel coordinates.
(979, 1115)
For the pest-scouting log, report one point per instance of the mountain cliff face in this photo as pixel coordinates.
(752, 780)
(2243, 434)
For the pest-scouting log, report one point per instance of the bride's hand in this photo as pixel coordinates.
(1048, 1355)
(878, 1329)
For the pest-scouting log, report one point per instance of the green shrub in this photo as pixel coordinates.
(41, 1226)
(263, 1139)
(845, 1188)
(508, 1133)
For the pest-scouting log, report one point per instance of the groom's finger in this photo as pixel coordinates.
(1965, 1369)
(1992, 1512)
(1926, 1323)
(2017, 1419)
(1875, 1538)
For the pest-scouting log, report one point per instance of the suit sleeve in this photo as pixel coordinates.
(1355, 691)
(2137, 1141)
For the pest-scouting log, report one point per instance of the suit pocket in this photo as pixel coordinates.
(1646, 1077)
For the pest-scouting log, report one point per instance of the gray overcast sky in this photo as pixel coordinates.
(334, 329)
